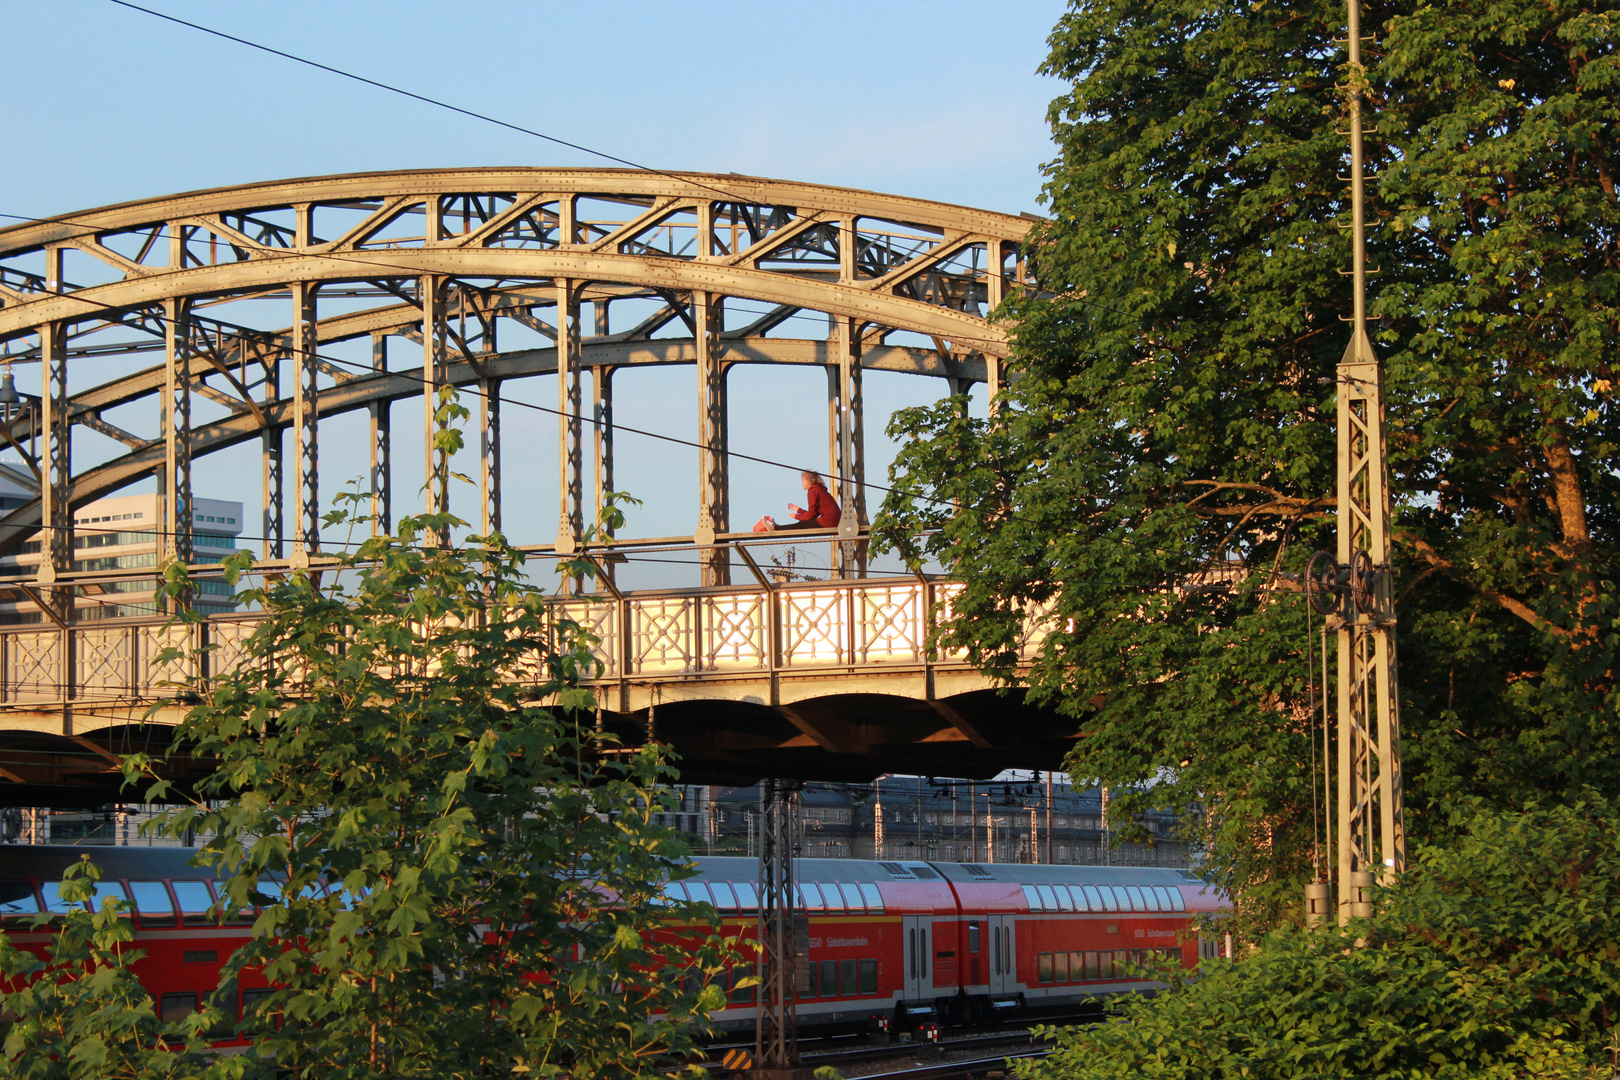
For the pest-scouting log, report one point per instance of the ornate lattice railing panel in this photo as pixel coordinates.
(663, 635)
(155, 678)
(945, 595)
(815, 627)
(889, 626)
(34, 666)
(600, 619)
(228, 636)
(736, 632)
(104, 662)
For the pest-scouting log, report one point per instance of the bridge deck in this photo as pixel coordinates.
(817, 680)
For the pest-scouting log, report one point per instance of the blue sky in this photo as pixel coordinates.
(938, 100)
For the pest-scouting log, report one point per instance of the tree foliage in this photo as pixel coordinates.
(1493, 959)
(1164, 457)
(79, 1013)
(414, 734)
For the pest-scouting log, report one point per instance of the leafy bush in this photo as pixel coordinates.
(1496, 957)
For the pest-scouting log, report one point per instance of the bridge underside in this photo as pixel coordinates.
(844, 738)
(851, 737)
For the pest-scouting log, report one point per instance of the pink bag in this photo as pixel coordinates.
(765, 524)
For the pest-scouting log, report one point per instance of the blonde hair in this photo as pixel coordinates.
(813, 476)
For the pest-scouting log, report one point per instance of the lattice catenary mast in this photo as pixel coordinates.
(1371, 835)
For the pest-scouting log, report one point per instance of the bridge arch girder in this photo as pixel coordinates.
(408, 254)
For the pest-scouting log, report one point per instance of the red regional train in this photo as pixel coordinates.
(907, 943)
(891, 945)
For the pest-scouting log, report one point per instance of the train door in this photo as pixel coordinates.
(1003, 954)
(918, 951)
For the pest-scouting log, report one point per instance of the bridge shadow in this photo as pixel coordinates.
(851, 737)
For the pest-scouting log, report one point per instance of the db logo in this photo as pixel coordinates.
(1139, 933)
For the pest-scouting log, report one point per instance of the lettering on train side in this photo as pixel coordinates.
(838, 942)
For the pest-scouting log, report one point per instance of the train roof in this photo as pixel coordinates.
(45, 862)
(735, 868)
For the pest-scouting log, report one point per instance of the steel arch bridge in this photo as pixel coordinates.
(239, 295)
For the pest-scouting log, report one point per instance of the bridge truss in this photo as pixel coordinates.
(180, 327)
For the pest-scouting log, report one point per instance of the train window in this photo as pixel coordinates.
(829, 978)
(253, 1000)
(831, 897)
(1077, 966)
(807, 980)
(740, 995)
(1043, 968)
(1169, 899)
(1032, 898)
(675, 892)
(1110, 902)
(234, 916)
(809, 898)
(1121, 898)
(973, 937)
(17, 898)
(853, 899)
(1091, 965)
(1137, 903)
(1150, 898)
(104, 889)
(869, 977)
(698, 893)
(1078, 897)
(747, 898)
(195, 900)
(1065, 901)
(1094, 900)
(174, 1007)
(1060, 967)
(848, 978)
(724, 899)
(270, 890)
(152, 903)
(874, 899)
(1048, 897)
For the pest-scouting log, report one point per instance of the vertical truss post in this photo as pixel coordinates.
(570, 455)
(175, 513)
(602, 437)
(848, 438)
(56, 457)
(994, 293)
(270, 459)
(435, 459)
(714, 482)
(1371, 828)
(306, 404)
(382, 448)
(776, 1044)
(489, 446)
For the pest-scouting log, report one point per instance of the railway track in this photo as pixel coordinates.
(956, 1070)
(911, 1049)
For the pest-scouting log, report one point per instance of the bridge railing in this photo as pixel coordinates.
(843, 625)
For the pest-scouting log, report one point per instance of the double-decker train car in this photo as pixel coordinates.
(907, 943)
(888, 944)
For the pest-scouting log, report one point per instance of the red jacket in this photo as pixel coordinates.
(821, 507)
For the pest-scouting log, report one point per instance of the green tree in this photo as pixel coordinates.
(1493, 959)
(411, 735)
(79, 1013)
(1164, 457)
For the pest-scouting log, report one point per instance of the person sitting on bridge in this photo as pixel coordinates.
(822, 513)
